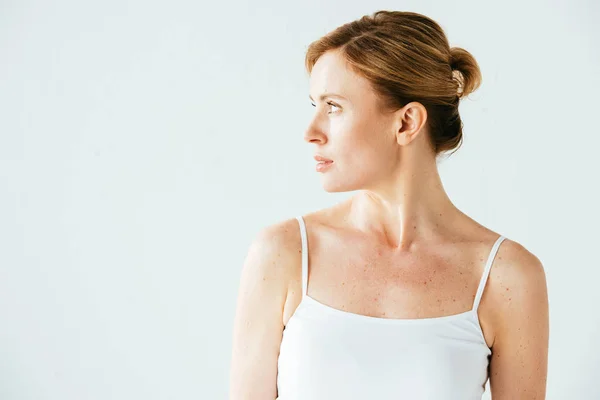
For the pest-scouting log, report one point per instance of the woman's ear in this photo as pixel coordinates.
(410, 122)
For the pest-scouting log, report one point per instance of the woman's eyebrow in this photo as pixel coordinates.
(324, 95)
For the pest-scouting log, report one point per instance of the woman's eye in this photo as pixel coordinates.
(331, 104)
(328, 103)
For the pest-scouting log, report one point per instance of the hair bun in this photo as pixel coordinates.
(465, 71)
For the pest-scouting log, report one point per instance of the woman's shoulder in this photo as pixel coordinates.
(278, 243)
(517, 290)
(519, 275)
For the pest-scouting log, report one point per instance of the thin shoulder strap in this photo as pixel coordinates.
(304, 254)
(486, 271)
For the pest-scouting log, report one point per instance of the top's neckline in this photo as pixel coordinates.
(362, 317)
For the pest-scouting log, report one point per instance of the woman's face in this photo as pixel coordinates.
(349, 127)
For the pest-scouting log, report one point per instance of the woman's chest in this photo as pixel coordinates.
(361, 278)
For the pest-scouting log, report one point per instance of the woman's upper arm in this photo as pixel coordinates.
(519, 362)
(258, 322)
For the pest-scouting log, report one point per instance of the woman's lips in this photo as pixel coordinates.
(321, 158)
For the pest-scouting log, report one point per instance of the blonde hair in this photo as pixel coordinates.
(406, 57)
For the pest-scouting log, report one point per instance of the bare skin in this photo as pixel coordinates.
(399, 248)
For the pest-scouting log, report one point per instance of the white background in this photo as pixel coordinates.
(144, 143)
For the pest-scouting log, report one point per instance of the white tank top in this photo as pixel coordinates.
(328, 353)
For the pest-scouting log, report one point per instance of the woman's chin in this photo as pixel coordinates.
(334, 186)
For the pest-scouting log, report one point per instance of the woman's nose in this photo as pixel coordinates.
(314, 134)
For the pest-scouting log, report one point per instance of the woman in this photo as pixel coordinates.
(400, 295)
